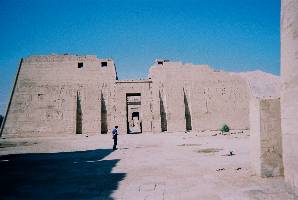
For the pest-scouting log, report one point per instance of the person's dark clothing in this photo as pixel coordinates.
(115, 135)
(115, 142)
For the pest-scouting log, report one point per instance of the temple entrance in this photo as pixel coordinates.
(133, 114)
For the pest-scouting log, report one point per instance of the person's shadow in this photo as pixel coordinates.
(70, 175)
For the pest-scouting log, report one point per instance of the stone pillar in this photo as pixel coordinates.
(91, 110)
(265, 131)
(175, 107)
(289, 98)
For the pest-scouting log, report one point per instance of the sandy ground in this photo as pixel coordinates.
(194, 166)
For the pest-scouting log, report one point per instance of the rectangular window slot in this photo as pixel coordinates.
(104, 64)
(80, 65)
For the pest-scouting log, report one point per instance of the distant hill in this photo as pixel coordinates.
(262, 84)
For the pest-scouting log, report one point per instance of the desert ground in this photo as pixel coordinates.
(198, 166)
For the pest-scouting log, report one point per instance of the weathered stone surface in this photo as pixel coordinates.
(120, 114)
(289, 78)
(265, 141)
(45, 97)
(66, 94)
(214, 97)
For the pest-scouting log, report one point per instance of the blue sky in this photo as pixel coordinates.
(233, 35)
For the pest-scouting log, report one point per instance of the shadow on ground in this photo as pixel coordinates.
(69, 175)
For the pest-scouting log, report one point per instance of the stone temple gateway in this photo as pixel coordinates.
(82, 94)
(69, 94)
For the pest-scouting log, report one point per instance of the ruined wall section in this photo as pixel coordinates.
(211, 98)
(45, 100)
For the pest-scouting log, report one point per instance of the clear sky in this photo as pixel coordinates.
(233, 35)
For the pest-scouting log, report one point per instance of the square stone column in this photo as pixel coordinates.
(289, 97)
(265, 137)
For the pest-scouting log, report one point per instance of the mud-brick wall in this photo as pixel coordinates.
(265, 140)
(289, 98)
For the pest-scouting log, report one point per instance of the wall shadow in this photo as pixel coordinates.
(104, 116)
(187, 115)
(163, 114)
(69, 175)
(79, 115)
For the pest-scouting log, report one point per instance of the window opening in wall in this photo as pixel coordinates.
(159, 62)
(104, 64)
(80, 65)
(135, 114)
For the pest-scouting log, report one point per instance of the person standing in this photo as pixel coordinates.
(115, 135)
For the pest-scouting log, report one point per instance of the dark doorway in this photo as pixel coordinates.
(133, 115)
